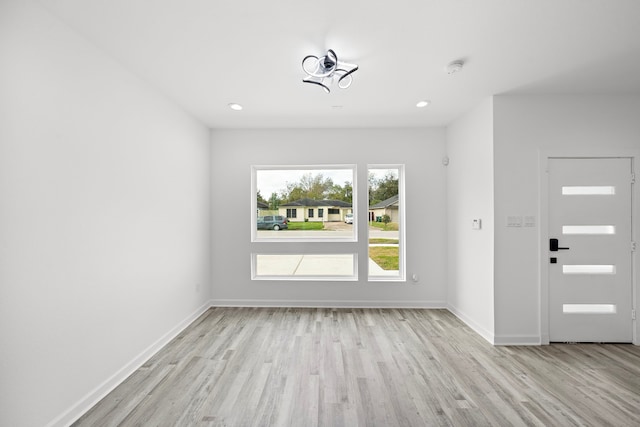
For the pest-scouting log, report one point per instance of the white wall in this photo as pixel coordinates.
(104, 219)
(470, 196)
(525, 126)
(234, 151)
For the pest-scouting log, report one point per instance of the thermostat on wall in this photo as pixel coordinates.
(476, 224)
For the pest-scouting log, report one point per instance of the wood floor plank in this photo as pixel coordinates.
(368, 367)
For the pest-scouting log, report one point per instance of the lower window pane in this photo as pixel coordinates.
(304, 266)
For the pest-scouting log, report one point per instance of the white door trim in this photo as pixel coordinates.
(543, 231)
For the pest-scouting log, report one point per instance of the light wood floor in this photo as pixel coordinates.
(369, 367)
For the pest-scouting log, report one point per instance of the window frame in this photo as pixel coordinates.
(402, 268)
(353, 237)
(305, 245)
(330, 245)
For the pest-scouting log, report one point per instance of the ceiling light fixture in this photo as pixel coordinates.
(235, 107)
(324, 70)
(422, 104)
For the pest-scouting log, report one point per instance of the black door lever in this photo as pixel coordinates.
(553, 246)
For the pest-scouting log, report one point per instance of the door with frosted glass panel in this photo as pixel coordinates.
(590, 250)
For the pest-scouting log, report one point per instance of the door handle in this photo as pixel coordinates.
(553, 246)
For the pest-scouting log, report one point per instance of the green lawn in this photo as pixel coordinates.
(385, 256)
(383, 241)
(392, 226)
(305, 226)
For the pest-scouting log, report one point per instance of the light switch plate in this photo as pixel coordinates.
(529, 221)
(514, 221)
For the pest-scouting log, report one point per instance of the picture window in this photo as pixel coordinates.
(300, 205)
(296, 193)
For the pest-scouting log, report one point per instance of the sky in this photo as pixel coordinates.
(270, 181)
(274, 181)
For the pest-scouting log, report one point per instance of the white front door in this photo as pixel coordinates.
(590, 250)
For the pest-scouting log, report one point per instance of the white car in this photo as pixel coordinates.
(348, 218)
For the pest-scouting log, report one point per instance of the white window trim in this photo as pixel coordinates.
(329, 246)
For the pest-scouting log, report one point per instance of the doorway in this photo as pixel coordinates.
(590, 249)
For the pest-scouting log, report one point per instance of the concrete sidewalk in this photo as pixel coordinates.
(313, 265)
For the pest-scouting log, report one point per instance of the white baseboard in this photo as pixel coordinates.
(83, 405)
(484, 333)
(493, 338)
(326, 303)
(544, 339)
(517, 340)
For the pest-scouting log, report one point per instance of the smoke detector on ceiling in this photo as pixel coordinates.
(454, 66)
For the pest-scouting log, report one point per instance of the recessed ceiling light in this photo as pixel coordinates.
(422, 104)
(235, 107)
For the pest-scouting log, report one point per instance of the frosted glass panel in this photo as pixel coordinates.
(588, 229)
(589, 269)
(603, 190)
(589, 308)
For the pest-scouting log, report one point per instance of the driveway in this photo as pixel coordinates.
(373, 231)
(337, 226)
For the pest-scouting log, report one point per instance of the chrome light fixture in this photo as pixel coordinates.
(325, 70)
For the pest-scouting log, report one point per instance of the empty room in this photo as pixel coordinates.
(242, 213)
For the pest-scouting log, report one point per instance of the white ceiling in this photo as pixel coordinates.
(205, 54)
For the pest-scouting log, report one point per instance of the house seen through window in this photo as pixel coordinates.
(313, 200)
